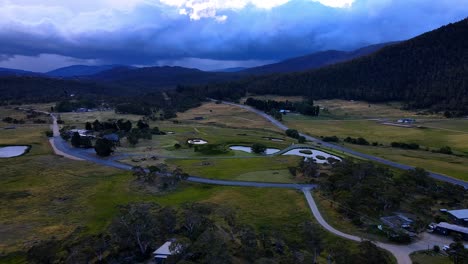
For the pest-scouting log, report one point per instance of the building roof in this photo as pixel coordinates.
(456, 228)
(112, 137)
(164, 249)
(460, 214)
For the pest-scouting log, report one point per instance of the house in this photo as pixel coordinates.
(448, 229)
(163, 252)
(397, 221)
(459, 217)
(112, 137)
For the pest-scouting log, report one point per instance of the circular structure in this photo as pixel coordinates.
(319, 156)
(197, 141)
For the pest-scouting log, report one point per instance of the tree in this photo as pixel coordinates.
(132, 138)
(292, 133)
(301, 140)
(104, 147)
(76, 140)
(88, 126)
(142, 125)
(258, 148)
(136, 226)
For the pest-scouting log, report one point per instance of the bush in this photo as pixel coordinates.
(292, 133)
(177, 146)
(445, 150)
(49, 133)
(404, 145)
(301, 140)
(305, 151)
(258, 148)
(104, 147)
(357, 141)
(436, 249)
(320, 157)
(331, 139)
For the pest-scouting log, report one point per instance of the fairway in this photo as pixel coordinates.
(265, 169)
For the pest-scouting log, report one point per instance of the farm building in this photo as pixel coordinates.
(459, 217)
(447, 229)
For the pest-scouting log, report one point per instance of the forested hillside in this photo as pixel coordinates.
(315, 60)
(429, 71)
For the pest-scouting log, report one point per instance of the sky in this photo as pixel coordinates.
(41, 35)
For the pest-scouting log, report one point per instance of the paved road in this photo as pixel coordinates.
(281, 126)
(401, 252)
(63, 148)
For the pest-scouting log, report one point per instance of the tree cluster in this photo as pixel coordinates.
(272, 106)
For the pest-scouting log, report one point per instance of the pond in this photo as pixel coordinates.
(268, 151)
(12, 151)
(312, 153)
(197, 141)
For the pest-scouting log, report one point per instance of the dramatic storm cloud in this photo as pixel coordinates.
(41, 34)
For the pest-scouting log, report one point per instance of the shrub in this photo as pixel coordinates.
(331, 139)
(320, 157)
(177, 146)
(305, 151)
(301, 140)
(211, 149)
(258, 148)
(292, 133)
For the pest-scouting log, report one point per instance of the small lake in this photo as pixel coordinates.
(268, 151)
(12, 151)
(197, 141)
(315, 153)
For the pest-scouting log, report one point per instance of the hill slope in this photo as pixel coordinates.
(159, 77)
(430, 71)
(15, 72)
(315, 60)
(79, 70)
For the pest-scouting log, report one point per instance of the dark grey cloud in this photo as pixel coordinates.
(152, 33)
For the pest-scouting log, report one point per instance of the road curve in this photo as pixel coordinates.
(63, 148)
(401, 255)
(283, 127)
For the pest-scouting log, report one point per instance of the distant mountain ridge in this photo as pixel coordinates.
(315, 60)
(16, 72)
(428, 71)
(82, 70)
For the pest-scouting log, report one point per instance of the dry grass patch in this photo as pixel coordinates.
(226, 115)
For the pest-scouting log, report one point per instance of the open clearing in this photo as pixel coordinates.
(431, 257)
(267, 169)
(225, 115)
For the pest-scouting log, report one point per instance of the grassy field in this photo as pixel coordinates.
(79, 119)
(266, 169)
(430, 258)
(225, 115)
(448, 133)
(349, 109)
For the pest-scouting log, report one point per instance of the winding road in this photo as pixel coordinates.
(281, 126)
(401, 252)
